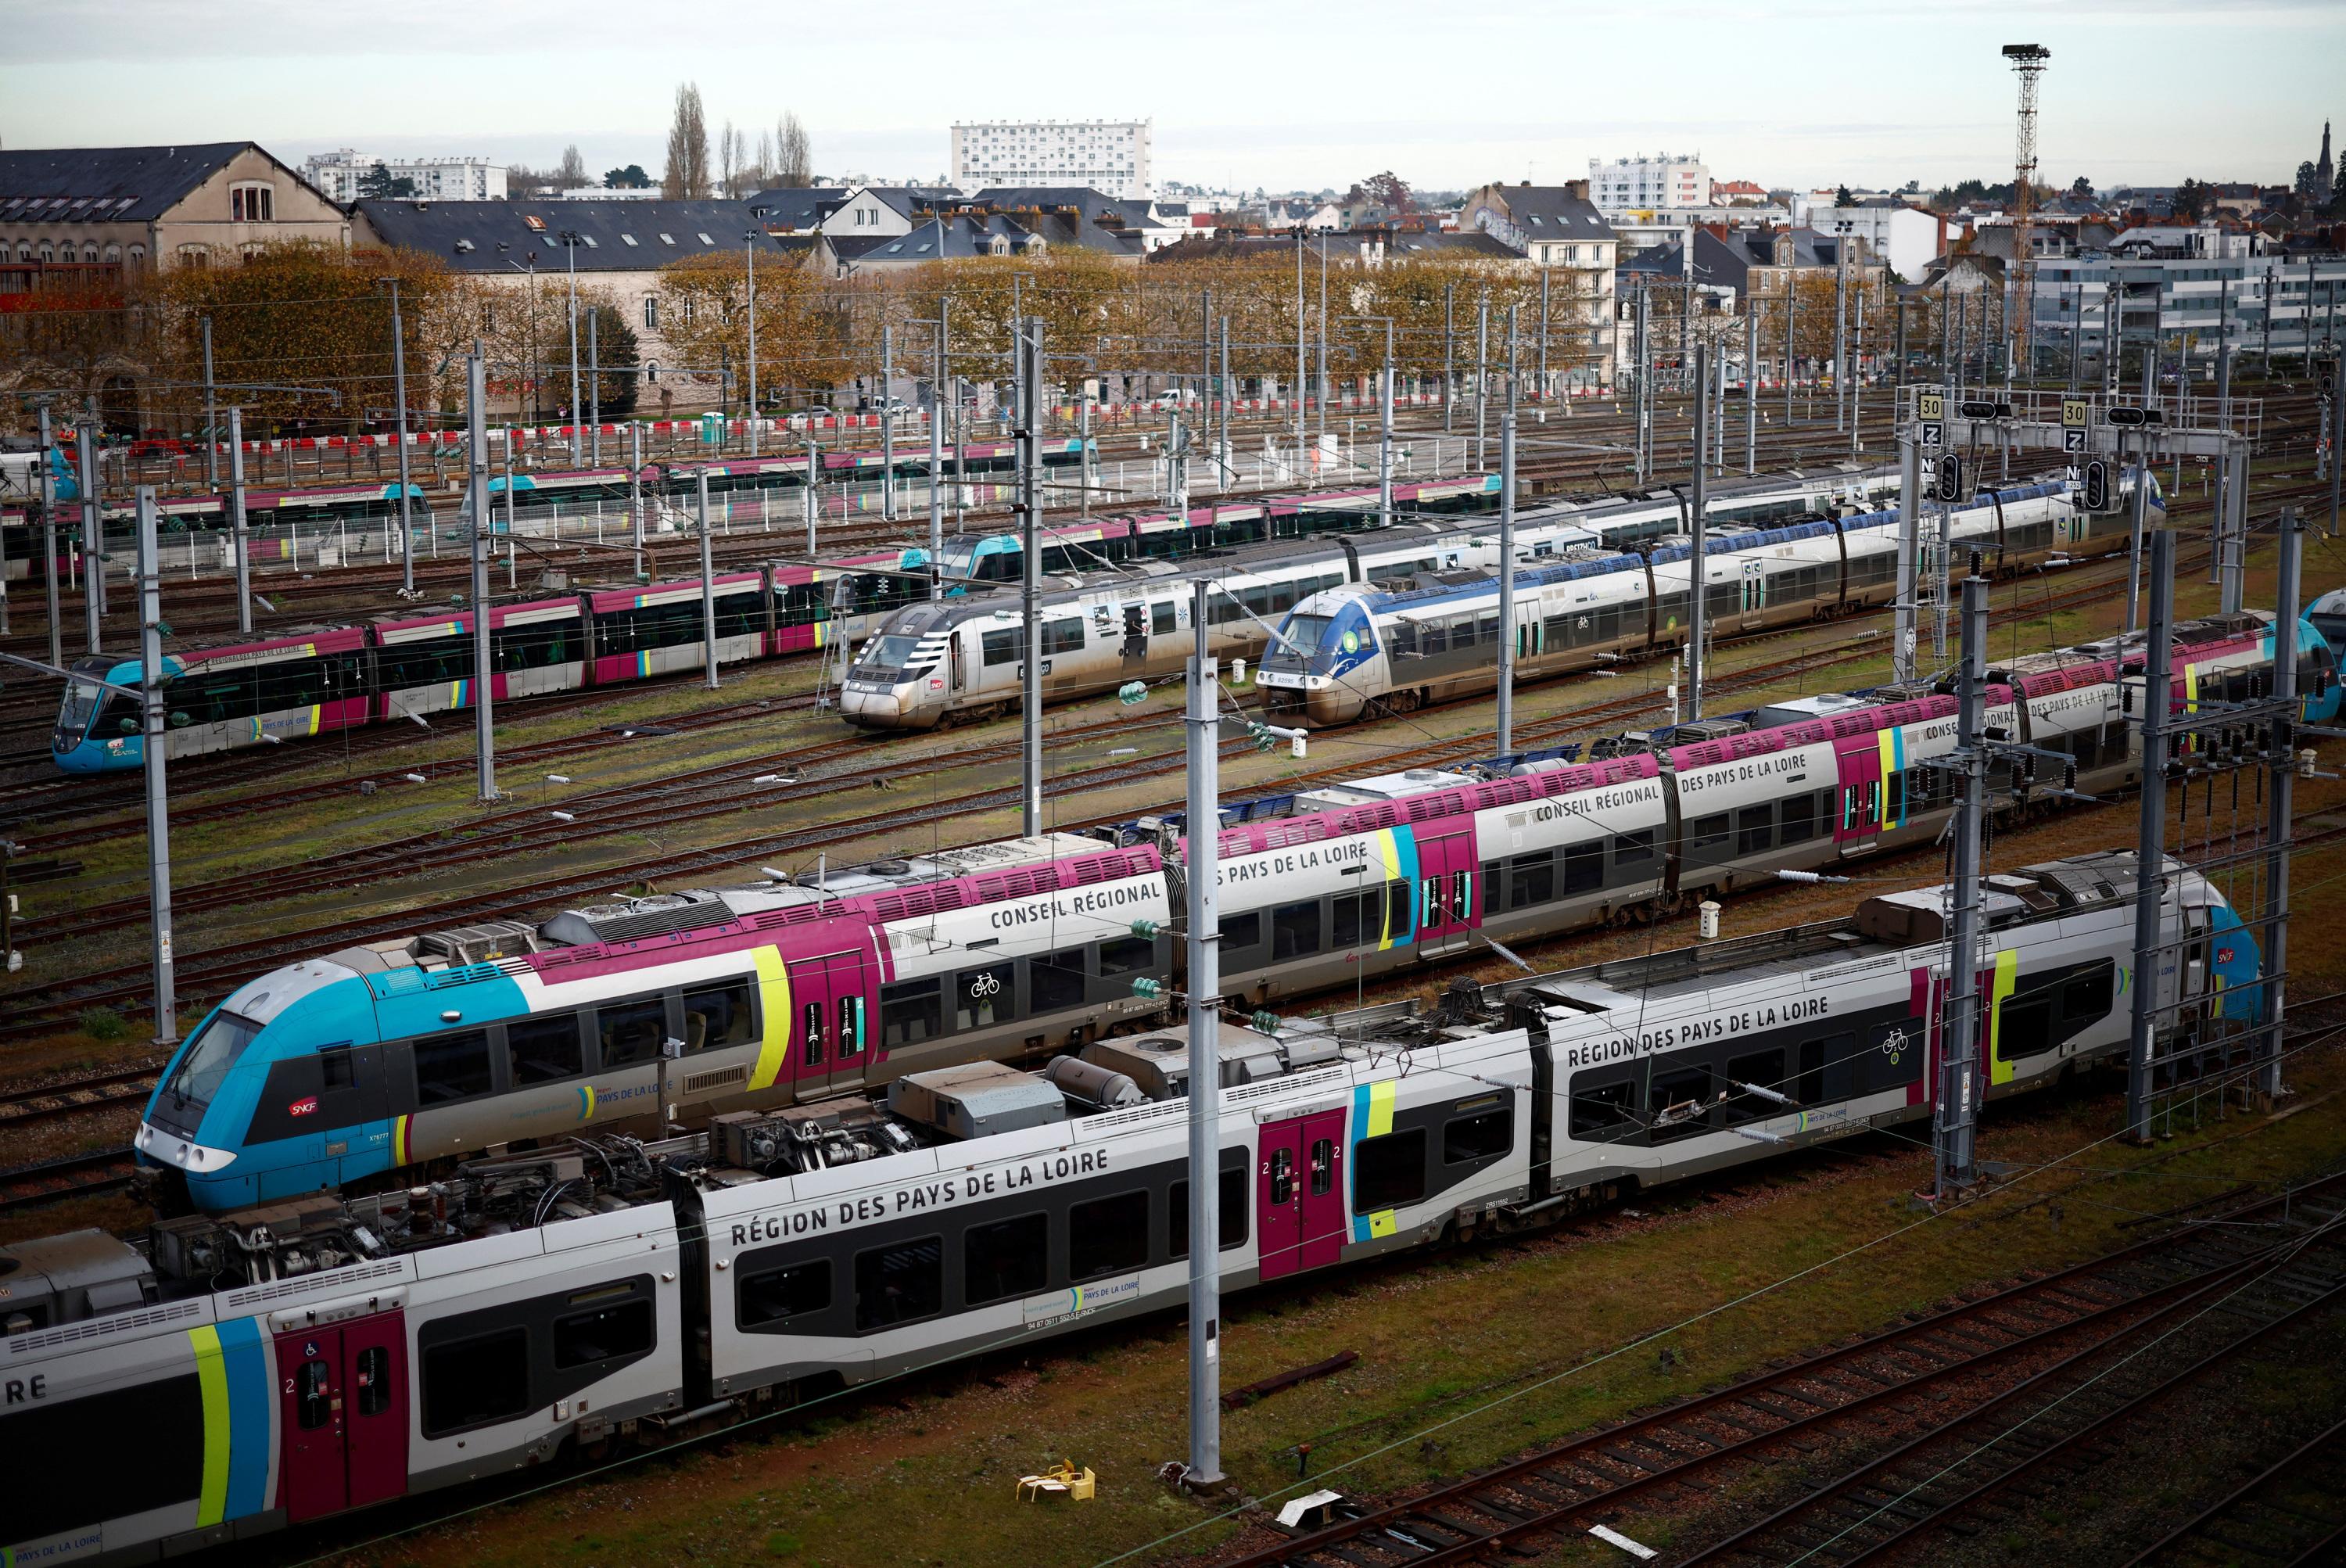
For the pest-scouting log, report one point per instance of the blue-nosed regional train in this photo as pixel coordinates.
(284, 1364)
(360, 1065)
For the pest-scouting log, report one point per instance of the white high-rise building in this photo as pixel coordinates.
(338, 175)
(1633, 184)
(1108, 155)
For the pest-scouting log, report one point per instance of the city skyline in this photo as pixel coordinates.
(1803, 94)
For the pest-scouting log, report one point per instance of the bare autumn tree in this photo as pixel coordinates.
(793, 164)
(729, 161)
(573, 172)
(763, 170)
(686, 175)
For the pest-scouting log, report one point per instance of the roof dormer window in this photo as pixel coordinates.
(252, 203)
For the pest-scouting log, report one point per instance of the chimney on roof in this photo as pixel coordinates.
(1577, 189)
(1527, 185)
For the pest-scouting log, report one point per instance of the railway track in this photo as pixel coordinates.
(73, 1176)
(1945, 1411)
(89, 1092)
(2291, 1514)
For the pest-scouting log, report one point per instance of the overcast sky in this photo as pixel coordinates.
(1305, 94)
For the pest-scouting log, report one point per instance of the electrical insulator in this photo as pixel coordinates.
(1265, 1022)
(1145, 930)
(1147, 990)
(1132, 691)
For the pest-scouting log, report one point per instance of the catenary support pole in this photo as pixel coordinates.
(1841, 327)
(595, 394)
(1791, 344)
(211, 402)
(636, 488)
(93, 541)
(2337, 443)
(398, 391)
(1203, 830)
(1910, 558)
(2152, 963)
(1449, 349)
(1481, 376)
(155, 737)
(1750, 389)
(1959, 1031)
(1696, 586)
(237, 538)
(476, 420)
(570, 249)
(1029, 371)
(887, 424)
(2280, 799)
(937, 466)
(48, 455)
(1506, 582)
(708, 587)
(749, 265)
(1385, 433)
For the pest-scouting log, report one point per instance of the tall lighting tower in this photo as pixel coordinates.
(2028, 62)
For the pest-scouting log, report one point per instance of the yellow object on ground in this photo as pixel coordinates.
(1063, 1480)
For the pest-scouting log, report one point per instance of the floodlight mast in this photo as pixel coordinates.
(2028, 62)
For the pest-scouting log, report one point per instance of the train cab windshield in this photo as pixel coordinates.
(81, 702)
(887, 658)
(203, 1066)
(1312, 643)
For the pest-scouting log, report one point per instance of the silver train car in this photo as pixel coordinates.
(1367, 646)
(957, 659)
(282, 1365)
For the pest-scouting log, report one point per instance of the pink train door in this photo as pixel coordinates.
(343, 1417)
(1857, 819)
(833, 1044)
(1299, 1193)
(1447, 912)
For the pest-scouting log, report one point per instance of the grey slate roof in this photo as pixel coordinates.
(105, 184)
(1429, 242)
(621, 236)
(801, 208)
(1553, 212)
(1092, 204)
(1716, 262)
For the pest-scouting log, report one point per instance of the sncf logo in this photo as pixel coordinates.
(305, 1108)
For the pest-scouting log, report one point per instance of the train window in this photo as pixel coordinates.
(1126, 955)
(474, 1382)
(899, 1284)
(532, 646)
(1108, 1236)
(1800, 823)
(1706, 839)
(1486, 627)
(1160, 619)
(1397, 908)
(452, 1066)
(1242, 931)
(1461, 896)
(911, 1011)
(1225, 608)
(1001, 647)
(1389, 1172)
(1283, 1178)
(778, 1295)
(1295, 930)
(1633, 849)
(336, 1068)
(1584, 866)
(543, 1049)
(1678, 1096)
(2085, 998)
(2025, 1027)
(1233, 1202)
(1433, 637)
(741, 614)
(1355, 917)
(313, 1388)
(1062, 636)
(1055, 981)
(621, 1328)
(631, 1032)
(1766, 1070)
(1893, 796)
(985, 996)
(1531, 880)
(1323, 1166)
(1484, 1135)
(374, 1389)
(1753, 830)
(851, 1027)
(1402, 637)
(1602, 1110)
(1008, 1258)
(716, 1017)
(811, 1020)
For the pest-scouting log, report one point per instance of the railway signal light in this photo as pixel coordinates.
(2097, 486)
(1980, 408)
(1950, 478)
(2134, 417)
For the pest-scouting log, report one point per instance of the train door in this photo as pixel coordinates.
(833, 1043)
(342, 1415)
(1858, 821)
(1299, 1193)
(1446, 909)
(1753, 604)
